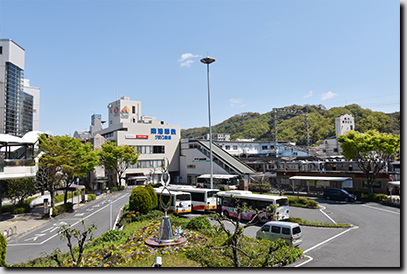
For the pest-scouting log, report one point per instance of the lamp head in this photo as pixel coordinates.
(207, 60)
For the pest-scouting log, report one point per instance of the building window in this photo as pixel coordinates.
(1, 50)
(234, 147)
(134, 109)
(227, 147)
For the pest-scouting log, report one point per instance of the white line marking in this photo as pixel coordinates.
(309, 260)
(71, 225)
(385, 210)
(330, 239)
(327, 215)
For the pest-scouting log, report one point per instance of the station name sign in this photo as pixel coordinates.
(163, 133)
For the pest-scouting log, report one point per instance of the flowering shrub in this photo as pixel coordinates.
(135, 248)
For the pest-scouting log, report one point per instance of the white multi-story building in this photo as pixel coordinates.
(344, 123)
(154, 139)
(19, 103)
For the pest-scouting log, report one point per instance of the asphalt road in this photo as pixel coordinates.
(374, 241)
(45, 239)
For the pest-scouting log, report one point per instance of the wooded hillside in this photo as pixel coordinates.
(292, 127)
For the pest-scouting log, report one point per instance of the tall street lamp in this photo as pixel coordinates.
(208, 60)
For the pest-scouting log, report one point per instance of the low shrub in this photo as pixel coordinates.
(91, 197)
(302, 202)
(3, 250)
(110, 236)
(7, 208)
(378, 197)
(132, 216)
(121, 187)
(19, 210)
(198, 223)
(114, 188)
(262, 188)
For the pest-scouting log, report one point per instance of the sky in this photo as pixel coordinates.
(85, 54)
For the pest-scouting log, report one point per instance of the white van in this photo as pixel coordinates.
(289, 232)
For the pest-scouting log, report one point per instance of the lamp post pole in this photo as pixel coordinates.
(208, 60)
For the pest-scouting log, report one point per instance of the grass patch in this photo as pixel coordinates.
(317, 223)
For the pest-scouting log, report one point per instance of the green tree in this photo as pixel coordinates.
(80, 159)
(117, 158)
(372, 151)
(63, 160)
(20, 189)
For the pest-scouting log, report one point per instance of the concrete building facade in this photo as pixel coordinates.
(154, 139)
(19, 102)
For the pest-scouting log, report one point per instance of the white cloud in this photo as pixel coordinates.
(185, 59)
(188, 63)
(328, 95)
(309, 94)
(236, 103)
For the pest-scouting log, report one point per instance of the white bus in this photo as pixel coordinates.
(180, 201)
(203, 199)
(227, 205)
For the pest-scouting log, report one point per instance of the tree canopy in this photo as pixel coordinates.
(292, 127)
(63, 159)
(372, 150)
(117, 158)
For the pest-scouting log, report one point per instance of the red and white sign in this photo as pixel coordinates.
(141, 136)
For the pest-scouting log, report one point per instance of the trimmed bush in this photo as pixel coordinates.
(91, 197)
(121, 187)
(378, 197)
(262, 188)
(153, 195)
(3, 250)
(114, 188)
(140, 200)
(7, 208)
(19, 210)
(198, 223)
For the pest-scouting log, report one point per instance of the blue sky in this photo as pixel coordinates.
(84, 54)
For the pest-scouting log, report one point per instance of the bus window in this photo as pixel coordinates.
(183, 197)
(282, 202)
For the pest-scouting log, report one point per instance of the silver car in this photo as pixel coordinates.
(289, 232)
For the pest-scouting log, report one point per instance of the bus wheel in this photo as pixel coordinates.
(226, 214)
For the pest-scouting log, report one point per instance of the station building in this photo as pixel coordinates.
(154, 139)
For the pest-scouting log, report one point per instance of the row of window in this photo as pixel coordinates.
(150, 149)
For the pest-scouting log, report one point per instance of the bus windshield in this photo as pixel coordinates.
(282, 202)
(211, 194)
(183, 197)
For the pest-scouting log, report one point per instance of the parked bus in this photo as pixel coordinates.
(180, 201)
(203, 199)
(227, 205)
(221, 181)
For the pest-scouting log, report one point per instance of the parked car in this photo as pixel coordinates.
(289, 232)
(338, 194)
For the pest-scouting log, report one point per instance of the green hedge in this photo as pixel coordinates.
(262, 188)
(378, 197)
(91, 197)
(3, 250)
(302, 202)
(140, 200)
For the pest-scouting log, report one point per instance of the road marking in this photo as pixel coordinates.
(309, 260)
(53, 236)
(385, 210)
(35, 237)
(326, 214)
(79, 214)
(330, 239)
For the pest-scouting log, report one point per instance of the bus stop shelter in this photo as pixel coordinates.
(318, 178)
